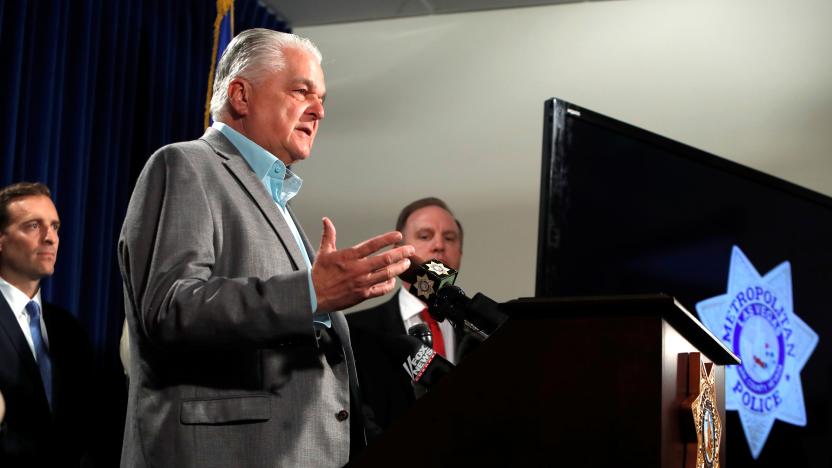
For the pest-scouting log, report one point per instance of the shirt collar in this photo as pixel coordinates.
(409, 305)
(281, 183)
(16, 298)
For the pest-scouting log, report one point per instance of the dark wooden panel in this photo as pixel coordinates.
(575, 386)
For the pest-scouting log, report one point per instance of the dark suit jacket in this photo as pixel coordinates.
(386, 388)
(31, 435)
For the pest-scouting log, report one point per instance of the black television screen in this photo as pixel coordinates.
(625, 211)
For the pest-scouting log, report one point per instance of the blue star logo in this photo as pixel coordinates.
(755, 319)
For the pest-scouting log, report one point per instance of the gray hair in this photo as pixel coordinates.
(249, 55)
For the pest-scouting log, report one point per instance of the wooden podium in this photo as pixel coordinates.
(604, 381)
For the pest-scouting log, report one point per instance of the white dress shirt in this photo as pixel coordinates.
(410, 307)
(17, 301)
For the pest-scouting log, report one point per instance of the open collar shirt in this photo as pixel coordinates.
(282, 184)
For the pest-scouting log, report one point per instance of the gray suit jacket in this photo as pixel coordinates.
(226, 367)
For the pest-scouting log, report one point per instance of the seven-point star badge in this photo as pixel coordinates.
(424, 286)
(756, 321)
(438, 268)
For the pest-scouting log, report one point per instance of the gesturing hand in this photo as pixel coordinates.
(343, 278)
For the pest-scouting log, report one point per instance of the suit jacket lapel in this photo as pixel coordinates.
(240, 169)
(11, 329)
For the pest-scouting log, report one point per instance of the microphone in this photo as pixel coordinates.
(422, 331)
(423, 365)
(432, 282)
(427, 278)
(479, 316)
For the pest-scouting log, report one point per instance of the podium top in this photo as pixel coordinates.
(642, 305)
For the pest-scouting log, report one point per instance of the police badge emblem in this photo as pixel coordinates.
(427, 278)
(437, 267)
(424, 286)
(756, 320)
(706, 420)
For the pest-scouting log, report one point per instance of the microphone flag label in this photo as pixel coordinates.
(756, 320)
(416, 364)
(428, 278)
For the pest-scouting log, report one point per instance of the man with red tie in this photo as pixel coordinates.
(45, 358)
(431, 228)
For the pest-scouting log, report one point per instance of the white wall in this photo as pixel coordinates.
(451, 106)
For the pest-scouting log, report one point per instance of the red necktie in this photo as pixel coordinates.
(438, 341)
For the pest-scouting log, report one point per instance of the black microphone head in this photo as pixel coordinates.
(422, 331)
(427, 278)
(451, 303)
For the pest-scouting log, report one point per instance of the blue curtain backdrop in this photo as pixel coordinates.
(90, 88)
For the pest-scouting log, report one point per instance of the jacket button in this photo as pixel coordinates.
(342, 415)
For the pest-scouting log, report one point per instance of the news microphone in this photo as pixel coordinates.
(432, 282)
(480, 315)
(427, 278)
(422, 331)
(423, 365)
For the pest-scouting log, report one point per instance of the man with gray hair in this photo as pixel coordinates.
(239, 356)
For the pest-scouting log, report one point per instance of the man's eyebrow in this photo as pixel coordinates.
(311, 85)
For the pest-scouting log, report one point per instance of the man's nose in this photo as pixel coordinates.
(51, 236)
(317, 110)
(439, 245)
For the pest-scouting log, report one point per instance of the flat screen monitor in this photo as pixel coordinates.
(627, 211)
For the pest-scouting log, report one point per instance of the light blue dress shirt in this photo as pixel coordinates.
(282, 184)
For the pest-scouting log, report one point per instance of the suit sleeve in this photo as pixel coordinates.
(167, 257)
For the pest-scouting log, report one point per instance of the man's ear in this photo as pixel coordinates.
(239, 96)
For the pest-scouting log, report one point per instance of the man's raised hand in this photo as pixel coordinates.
(343, 278)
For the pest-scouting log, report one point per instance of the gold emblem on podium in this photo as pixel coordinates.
(707, 422)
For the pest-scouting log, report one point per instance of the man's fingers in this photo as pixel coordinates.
(327, 237)
(390, 272)
(381, 289)
(376, 243)
(391, 256)
(343, 278)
